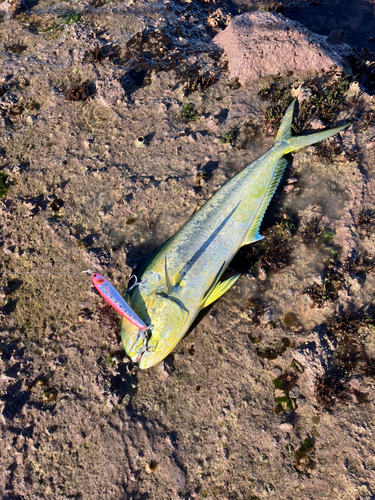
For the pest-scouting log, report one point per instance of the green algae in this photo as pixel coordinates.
(4, 185)
(188, 112)
(228, 138)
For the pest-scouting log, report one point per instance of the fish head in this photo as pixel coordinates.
(168, 321)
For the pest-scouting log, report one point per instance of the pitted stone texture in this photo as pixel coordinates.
(261, 44)
(109, 91)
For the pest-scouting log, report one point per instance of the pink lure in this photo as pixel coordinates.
(113, 297)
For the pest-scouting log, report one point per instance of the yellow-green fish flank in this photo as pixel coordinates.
(181, 277)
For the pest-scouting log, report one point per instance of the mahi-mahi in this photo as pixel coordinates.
(182, 276)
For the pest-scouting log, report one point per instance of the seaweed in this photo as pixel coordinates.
(188, 112)
(164, 49)
(109, 51)
(326, 101)
(327, 151)
(273, 7)
(274, 351)
(234, 84)
(358, 266)
(284, 403)
(80, 92)
(273, 253)
(304, 457)
(281, 98)
(365, 121)
(288, 380)
(255, 311)
(71, 17)
(366, 222)
(316, 232)
(334, 273)
(348, 359)
(361, 62)
(228, 138)
(283, 386)
(313, 230)
(17, 48)
(95, 54)
(290, 321)
(349, 352)
(277, 252)
(4, 185)
(327, 291)
(329, 391)
(200, 82)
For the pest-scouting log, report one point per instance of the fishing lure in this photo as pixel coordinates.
(113, 297)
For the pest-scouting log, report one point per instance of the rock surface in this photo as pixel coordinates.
(263, 44)
(267, 397)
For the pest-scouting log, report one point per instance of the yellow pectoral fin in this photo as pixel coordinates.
(219, 290)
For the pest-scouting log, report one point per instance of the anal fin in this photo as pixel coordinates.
(253, 233)
(219, 290)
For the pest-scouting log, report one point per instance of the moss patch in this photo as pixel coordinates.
(348, 359)
(4, 185)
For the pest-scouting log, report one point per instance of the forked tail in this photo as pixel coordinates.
(292, 143)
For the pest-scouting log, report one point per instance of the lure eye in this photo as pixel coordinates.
(102, 280)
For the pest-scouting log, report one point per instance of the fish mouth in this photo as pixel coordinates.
(143, 344)
(148, 347)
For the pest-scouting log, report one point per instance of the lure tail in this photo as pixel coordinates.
(293, 143)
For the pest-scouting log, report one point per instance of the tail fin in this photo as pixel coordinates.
(292, 143)
(285, 129)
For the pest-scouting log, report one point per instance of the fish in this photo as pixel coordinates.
(182, 276)
(115, 299)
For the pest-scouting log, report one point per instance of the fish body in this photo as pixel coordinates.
(181, 277)
(116, 300)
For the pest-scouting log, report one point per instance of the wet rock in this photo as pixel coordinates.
(264, 43)
(109, 91)
(302, 93)
(10, 8)
(271, 313)
(295, 392)
(337, 36)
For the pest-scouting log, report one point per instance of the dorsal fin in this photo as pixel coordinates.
(167, 278)
(253, 232)
(146, 261)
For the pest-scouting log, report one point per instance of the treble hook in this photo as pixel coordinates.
(136, 283)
